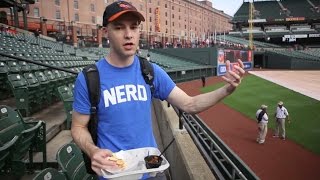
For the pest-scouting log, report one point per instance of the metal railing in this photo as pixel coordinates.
(223, 162)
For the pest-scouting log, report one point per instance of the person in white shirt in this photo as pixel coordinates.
(281, 115)
(262, 118)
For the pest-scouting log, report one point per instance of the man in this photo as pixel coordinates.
(262, 118)
(203, 80)
(124, 110)
(281, 115)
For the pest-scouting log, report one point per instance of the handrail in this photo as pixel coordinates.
(38, 63)
(223, 162)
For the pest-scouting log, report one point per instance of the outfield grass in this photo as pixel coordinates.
(304, 111)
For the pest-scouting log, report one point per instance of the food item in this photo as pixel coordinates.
(120, 162)
(153, 161)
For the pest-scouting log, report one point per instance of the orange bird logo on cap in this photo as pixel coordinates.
(124, 6)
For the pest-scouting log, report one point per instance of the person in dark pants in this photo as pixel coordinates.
(203, 79)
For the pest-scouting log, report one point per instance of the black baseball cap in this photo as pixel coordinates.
(118, 8)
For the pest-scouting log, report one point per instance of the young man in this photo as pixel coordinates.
(281, 115)
(262, 117)
(124, 110)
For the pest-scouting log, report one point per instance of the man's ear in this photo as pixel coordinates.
(105, 30)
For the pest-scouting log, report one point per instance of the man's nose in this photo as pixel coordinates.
(128, 33)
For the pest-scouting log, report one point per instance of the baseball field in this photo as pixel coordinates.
(304, 128)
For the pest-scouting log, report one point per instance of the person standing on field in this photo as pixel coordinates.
(281, 115)
(262, 118)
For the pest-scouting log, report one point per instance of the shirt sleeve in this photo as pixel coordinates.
(81, 103)
(162, 82)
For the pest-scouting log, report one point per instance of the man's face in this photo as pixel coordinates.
(123, 34)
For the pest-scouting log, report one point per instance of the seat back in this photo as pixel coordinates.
(50, 174)
(5, 155)
(4, 69)
(14, 67)
(65, 92)
(41, 77)
(70, 160)
(10, 124)
(31, 79)
(17, 81)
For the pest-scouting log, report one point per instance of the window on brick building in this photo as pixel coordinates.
(58, 14)
(36, 12)
(76, 17)
(92, 8)
(76, 4)
(57, 2)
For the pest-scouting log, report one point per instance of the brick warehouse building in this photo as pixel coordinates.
(173, 21)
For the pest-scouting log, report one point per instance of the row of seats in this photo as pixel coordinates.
(34, 91)
(273, 10)
(171, 63)
(245, 42)
(295, 54)
(18, 140)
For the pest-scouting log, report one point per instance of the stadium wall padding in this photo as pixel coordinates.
(277, 61)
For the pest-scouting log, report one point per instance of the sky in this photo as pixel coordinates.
(228, 6)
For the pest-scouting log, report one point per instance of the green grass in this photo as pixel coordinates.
(304, 111)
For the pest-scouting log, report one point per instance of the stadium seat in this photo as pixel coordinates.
(45, 84)
(66, 96)
(50, 174)
(5, 155)
(4, 70)
(70, 160)
(19, 87)
(14, 67)
(31, 138)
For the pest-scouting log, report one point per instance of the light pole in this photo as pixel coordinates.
(147, 28)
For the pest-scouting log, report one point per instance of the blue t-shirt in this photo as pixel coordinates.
(125, 104)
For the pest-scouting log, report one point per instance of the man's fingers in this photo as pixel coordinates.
(228, 65)
(240, 70)
(235, 75)
(241, 63)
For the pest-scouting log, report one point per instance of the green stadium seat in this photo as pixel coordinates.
(70, 160)
(54, 83)
(36, 93)
(31, 138)
(25, 67)
(19, 87)
(4, 70)
(66, 96)
(5, 149)
(14, 67)
(50, 174)
(45, 84)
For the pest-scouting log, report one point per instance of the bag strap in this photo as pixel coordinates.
(92, 77)
(147, 73)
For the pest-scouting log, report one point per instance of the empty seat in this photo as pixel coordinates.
(70, 160)
(66, 96)
(31, 138)
(50, 174)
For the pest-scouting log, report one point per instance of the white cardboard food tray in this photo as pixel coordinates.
(136, 167)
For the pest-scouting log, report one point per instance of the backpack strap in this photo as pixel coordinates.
(92, 78)
(147, 73)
